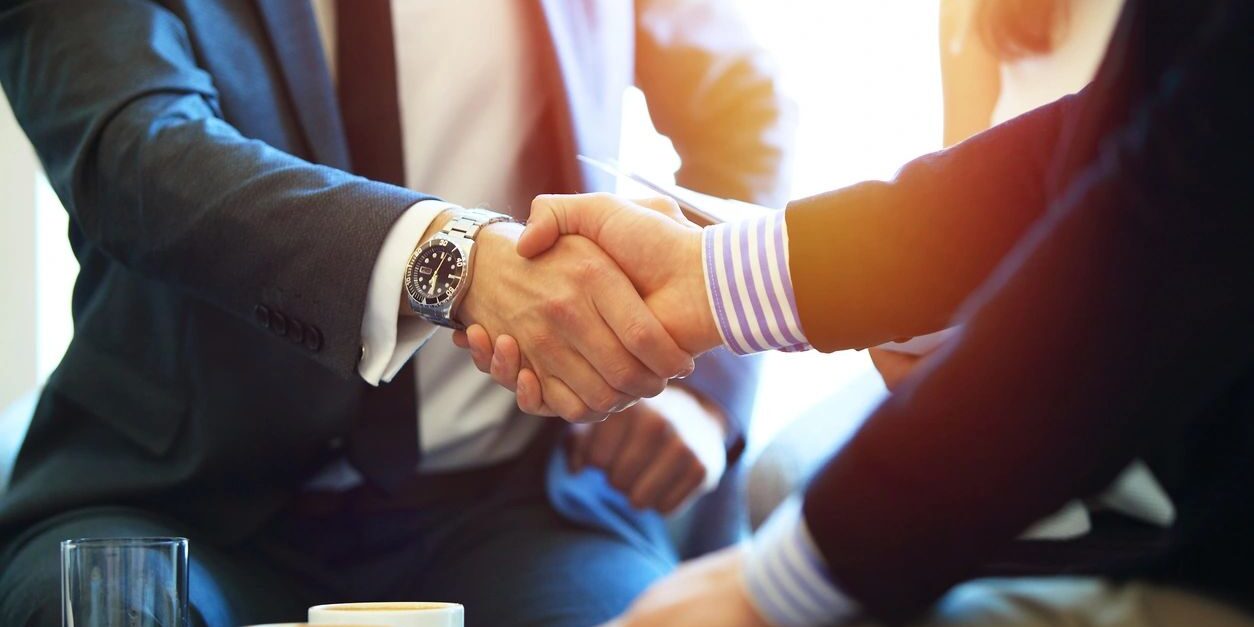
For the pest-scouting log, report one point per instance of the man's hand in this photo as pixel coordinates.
(657, 248)
(706, 591)
(661, 453)
(584, 331)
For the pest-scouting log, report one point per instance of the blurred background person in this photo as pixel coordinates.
(1002, 58)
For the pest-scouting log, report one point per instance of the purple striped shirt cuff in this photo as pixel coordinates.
(750, 289)
(788, 581)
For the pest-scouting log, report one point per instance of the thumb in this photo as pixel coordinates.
(554, 215)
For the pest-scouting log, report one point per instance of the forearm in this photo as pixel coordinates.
(138, 152)
(880, 261)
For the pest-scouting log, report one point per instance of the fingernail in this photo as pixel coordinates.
(692, 367)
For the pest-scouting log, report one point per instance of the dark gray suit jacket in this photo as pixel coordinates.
(225, 250)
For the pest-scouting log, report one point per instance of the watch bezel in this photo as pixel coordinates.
(417, 296)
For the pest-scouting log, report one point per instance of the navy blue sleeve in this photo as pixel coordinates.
(132, 136)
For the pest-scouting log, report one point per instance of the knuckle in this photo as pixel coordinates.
(626, 377)
(606, 401)
(638, 336)
(675, 447)
(656, 429)
(620, 480)
(591, 269)
(543, 342)
(699, 472)
(669, 203)
(654, 386)
(558, 310)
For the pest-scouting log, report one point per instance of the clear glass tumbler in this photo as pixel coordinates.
(124, 582)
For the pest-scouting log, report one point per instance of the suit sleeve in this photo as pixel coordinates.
(883, 261)
(714, 93)
(1122, 315)
(131, 134)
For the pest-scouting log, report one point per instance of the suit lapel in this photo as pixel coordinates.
(294, 36)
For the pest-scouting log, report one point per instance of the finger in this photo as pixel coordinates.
(553, 215)
(566, 403)
(667, 467)
(530, 395)
(640, 333)
(477, 339)
(665, 206)
(677, 494)
(459, 339)
(605, 440)
(480, 345)
(595, 340)
(506, 362)
(587, 357)
(632, 457)
(597, 397)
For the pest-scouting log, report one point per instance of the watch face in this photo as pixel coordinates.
(435, 272)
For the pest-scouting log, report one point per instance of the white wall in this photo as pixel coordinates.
(17, 259)
(38, 267)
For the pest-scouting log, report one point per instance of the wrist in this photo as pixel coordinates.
(492, 245)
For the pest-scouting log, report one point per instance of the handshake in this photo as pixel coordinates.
(597, 302)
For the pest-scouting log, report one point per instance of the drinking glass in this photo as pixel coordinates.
(124, 582)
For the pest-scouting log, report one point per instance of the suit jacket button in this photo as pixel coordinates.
(278, 323)
(262, 315)
(295, 331)
(313, 338)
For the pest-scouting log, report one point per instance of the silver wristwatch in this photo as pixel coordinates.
(438, 274)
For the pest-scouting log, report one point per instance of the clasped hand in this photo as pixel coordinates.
(619, 308)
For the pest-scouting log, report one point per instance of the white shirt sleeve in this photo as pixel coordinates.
(387, 340)
(788, 581)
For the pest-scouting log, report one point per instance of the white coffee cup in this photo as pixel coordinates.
(306, 625)
(389, 614)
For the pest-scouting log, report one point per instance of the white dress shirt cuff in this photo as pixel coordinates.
(387, 339)
(749, 285)
(787, 578)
